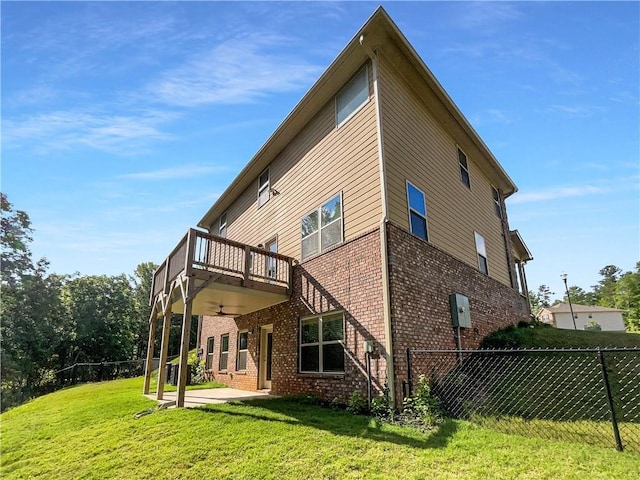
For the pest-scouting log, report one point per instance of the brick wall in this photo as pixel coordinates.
(421, 278)
(347, 278)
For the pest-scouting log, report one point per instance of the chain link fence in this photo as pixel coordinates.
(98, 372)
(583, 395)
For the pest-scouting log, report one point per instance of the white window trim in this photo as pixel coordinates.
(356, 110)
(239, 351)
(409, 210)
(461, 166)
(320, 227)
(481, 252)
(223, 352)
(264, 187)
(222, 225)
(497, 204)
(320, 342)
(210, 354)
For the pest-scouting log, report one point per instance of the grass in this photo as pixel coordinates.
(90, 431)
(546, 336)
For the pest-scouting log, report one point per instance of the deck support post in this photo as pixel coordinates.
(184, 353)
(148, 368)
(164, 350)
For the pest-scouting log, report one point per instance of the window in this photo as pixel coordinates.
(222, 230)
(322, 344)
(263, 188)
(352, 97)
(417, 212)
(209, 357)
(464, 168)
(243, 346)
(272, 263)
(496, 202)
(322, 228)
(224, 351)
(482, 254)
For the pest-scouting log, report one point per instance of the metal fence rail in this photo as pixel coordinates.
(585, 395)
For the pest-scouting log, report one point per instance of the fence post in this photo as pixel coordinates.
(614, 421)
(409, 377)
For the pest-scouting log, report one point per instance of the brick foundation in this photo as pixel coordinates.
(421, 278)
(347, 278)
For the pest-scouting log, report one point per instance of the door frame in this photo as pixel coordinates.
(263, 383)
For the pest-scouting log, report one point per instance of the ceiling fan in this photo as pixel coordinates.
(220, 313)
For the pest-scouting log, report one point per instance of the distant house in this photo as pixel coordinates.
(370, 220)
(609, 319)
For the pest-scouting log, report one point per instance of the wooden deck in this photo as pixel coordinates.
(242, 278)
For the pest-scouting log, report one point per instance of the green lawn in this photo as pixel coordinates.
(90, 431)
(548, 337)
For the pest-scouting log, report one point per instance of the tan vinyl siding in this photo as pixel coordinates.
(418, 148)
(320, 162)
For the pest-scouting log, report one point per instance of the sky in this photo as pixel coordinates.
(123, 122)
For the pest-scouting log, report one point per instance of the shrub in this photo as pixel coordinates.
(357, 403)
(593, 326)
(381, 405)
(422, 406)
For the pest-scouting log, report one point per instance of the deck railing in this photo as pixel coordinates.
(202, 252)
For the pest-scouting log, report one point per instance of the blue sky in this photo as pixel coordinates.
(122, 122)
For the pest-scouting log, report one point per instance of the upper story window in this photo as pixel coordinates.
(322, 228)
(243, 348)
(417, 212)
(222, 229)
(497, 206)
(322, 344)
(482, 254)
(263, 188)
(209, 357)
(353, 96)
(464, 168)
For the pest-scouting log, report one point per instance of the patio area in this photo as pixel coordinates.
(197, 398)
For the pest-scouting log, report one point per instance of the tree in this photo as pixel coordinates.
(103, 313)
(579, 296)
(15, 259)
(143, 279)
(34, 325)
(605, 290)
(540, 299)
(627, 298)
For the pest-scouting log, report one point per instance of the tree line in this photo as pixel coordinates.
(52, 321)
(616, 289)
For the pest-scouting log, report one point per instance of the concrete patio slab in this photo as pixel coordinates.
(197, 398)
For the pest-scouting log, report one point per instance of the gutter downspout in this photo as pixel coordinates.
(391, 383)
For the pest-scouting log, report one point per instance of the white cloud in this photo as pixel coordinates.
(66, 129)
(487, 16)
(578, 110)
(182, 171)
(236, 71)
(554, 193)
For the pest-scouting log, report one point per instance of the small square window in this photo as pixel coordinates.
(464, 168)
(263, 188)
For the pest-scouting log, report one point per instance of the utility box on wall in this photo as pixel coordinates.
(460, 314)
